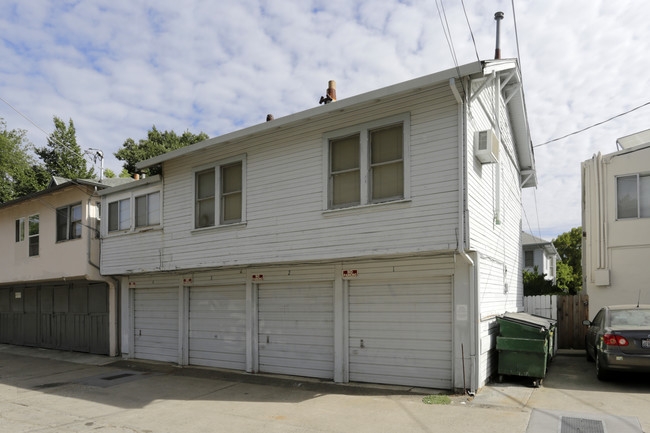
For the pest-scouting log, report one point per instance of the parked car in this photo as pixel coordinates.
(618, 339)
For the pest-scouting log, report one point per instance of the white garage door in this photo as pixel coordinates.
(156, 324)
(400, 333)
(296, 329)
(218, 326)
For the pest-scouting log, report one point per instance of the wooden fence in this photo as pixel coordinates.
(545, 306)
(571, 311)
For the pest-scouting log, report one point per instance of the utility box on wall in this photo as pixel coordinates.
(486, 146)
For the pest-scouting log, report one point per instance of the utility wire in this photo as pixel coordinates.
(514, 19)
(42, 130)
(470, 30)
(445, 30)
(592, 126)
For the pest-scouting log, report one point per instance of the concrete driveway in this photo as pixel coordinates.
(48, 391)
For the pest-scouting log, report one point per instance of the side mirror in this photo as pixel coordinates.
(586, 322)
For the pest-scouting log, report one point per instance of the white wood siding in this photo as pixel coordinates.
(156, 318)
(400, 332)
(284, 215)
(217, 326)
(296, 329)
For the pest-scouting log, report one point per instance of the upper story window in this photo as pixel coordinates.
(367, 164)
(119, 215)
(633, 196)
(34, 230)
(529, 259)
(219, 194)
(68, 222)
(147, 209)
(20, 229)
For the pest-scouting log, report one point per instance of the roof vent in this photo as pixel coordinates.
(331, 93)
(497, 51)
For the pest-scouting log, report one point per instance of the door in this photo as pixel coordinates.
(400, 332)
(296, 329)
(156, 323)
(217, 326)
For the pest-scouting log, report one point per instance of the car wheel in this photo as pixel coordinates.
(601, 373)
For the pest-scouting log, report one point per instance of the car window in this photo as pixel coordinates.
(630, 317)
(598, 320)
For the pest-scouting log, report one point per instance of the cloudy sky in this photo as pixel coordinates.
(117, 67)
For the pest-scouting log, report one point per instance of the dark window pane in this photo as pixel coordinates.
(33, 245)
(62, 224)
(205, 184)
(386, 144)
(205, 213)
(344, 153)
(346, 188)
(231, 208)
(141, 211)
(231, 178)
(113, 219)
(388, 181)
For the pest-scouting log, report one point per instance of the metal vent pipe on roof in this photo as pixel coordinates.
(497, 51)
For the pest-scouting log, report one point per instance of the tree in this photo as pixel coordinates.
(108, 173)
(19, 173)
(569, 269)
(62, 155)
(156, 143)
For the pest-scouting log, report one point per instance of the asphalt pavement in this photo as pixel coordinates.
(53, 391)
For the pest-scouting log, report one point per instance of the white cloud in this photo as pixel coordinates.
(118, 67)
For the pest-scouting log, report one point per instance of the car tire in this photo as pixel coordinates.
(601, 373)
(588, 356)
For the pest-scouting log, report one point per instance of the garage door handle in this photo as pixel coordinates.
(361, 345)
(267, 339)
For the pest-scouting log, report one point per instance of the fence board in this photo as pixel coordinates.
(572, 310)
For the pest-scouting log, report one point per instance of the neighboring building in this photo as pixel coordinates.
(51, 292)
(539, 254)
(370, 239)
(616, 223)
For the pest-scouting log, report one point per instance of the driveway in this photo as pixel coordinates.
(47, 391)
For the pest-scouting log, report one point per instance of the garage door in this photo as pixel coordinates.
(218, 326)
(156, 323)
(296, 329)
(400, 333)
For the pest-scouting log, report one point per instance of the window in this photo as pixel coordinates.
(633, 196)
(68, 222)
(33, 235)
(147, 210)
(227, 207)
(529, 259)
(119, 215)
(367, 163)
(20, 229)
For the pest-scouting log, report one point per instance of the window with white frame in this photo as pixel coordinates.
(20, 229)
(366, 164)
(633, 196)
(219, 194)
(119, 215)
(147, 209)
(68, 222)
(34, 234)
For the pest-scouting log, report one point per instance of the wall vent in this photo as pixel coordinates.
(486, 146)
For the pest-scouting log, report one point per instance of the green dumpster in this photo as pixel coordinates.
(525, 345)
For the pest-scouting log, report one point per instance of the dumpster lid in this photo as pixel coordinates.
(529, 319)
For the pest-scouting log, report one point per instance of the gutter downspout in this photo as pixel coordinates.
(473, 310)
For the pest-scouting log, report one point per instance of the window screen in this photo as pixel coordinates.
(345, 171)
(231, 193)
(205, 204)
(386, 163)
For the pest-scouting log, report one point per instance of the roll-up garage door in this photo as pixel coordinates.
(218, 326)
(156, 323)
(296, 329)
(400, 333)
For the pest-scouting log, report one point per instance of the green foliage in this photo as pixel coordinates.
(156, 143)
(19, 173)
(569, 269)
(436, 399)
(536, 284)
(62, 155)
(108, 173)
(124, 173)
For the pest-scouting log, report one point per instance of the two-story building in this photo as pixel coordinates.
(540, 256)
(371, 239)
(616, 223)
(52, 294)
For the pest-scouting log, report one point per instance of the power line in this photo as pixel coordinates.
(446, 30)
(592, 126)
(470, 31)
(514, 19)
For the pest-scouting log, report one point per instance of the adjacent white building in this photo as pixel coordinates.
(372, 239)
(616, 223)
(540, 256)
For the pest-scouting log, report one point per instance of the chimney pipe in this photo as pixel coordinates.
(497, 51)
(330, 96)
(269, 117)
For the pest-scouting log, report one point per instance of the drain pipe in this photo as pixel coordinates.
(460, 248)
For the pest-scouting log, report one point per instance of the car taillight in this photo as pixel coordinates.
(614, 340)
